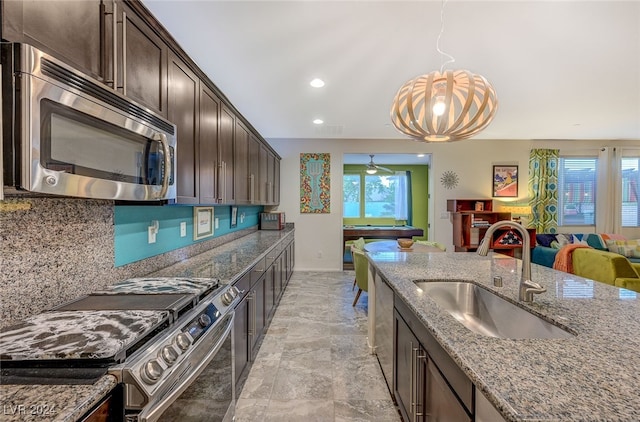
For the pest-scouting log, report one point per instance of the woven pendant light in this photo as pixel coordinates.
(444, 107)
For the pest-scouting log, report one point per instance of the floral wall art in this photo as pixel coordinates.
(315, 183)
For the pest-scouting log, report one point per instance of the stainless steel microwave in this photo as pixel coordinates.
(72, 136)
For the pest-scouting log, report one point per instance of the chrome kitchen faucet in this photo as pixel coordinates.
(527, 287)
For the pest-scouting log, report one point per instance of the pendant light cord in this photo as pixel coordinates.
(451, 59)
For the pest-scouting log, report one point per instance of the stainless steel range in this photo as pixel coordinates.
(168, 342)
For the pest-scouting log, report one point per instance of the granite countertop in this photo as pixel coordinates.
(591, 377)
(229, 261)
(69, 402)
(55, 403)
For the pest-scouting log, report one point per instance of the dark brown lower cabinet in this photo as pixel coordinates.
(241, 337)
(421, 390)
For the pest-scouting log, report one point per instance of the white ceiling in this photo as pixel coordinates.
(561, 69)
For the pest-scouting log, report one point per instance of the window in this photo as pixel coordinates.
(577, 191)
(351, 195)
(630, 179)
(377, 196)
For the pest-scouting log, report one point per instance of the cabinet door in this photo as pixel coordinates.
(183, 112)
(263, 179)
(73, 31)
(208, 138)
(142, 62)
(241, 164)
(240, 337)
(276, 180)
(408, 371)
(254, 169)
(225, 156)
(257, 315)
(271, 175)
(441, 403)
(269, 293)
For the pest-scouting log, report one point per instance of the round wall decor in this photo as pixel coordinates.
(449, 179)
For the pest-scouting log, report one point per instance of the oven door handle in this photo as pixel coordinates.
(153, 411)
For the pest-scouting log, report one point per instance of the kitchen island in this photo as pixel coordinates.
(591, 376)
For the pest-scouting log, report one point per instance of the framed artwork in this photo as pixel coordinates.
(234, 216)
(315, 186)
(505, 181)
(202, 222)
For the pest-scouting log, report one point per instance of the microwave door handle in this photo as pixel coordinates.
(162, 138)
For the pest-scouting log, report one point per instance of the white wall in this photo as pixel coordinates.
(319, 236)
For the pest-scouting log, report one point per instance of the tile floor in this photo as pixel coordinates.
(314, 363)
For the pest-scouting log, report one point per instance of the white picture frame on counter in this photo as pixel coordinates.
(202, 222)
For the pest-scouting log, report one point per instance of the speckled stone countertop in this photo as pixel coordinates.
(591, 377)
(59, 403)
(229, 261)
(69, 402)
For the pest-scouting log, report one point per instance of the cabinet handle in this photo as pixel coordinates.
(412, 389)
(251, 188)
(124, 53)
(222, 180)
(114, 36)
(419, 384)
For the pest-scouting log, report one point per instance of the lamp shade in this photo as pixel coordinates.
(444, 107)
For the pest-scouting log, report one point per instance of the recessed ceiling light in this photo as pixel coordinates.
(318, 121)
(317, 83)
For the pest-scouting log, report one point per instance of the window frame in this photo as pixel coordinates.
(362, 201)
(581, 190)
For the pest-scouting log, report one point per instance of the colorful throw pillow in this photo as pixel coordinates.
(628, 248)
(595, 241)
(562, 240)
(580, 238)
(545, 239)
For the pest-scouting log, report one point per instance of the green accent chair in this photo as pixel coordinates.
(361, 265)
(606, 267)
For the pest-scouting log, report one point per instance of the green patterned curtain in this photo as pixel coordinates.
(543, 189)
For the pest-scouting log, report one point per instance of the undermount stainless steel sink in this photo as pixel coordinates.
(484, 312)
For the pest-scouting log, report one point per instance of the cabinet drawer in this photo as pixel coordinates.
(462, 386)
(244, 284)
(258, 270)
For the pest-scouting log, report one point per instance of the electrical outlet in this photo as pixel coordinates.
(183, 229)
(152, 234)
(216, 223)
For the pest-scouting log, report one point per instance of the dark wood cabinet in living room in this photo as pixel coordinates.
(109, 41)
(471, 218)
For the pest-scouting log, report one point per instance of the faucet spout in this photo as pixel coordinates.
(527, 287)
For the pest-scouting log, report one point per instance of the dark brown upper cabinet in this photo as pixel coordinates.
(183, 110)
(241, 164)
(208, 139)
(227, 126)
(105, 39)
(141, 61)
(254, 169)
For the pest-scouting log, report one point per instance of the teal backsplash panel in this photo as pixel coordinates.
(132, 222)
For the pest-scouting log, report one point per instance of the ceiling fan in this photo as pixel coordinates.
(372, 168)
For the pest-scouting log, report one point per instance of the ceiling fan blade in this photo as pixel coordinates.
(384, 169)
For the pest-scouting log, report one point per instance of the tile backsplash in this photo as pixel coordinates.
(55, 250)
